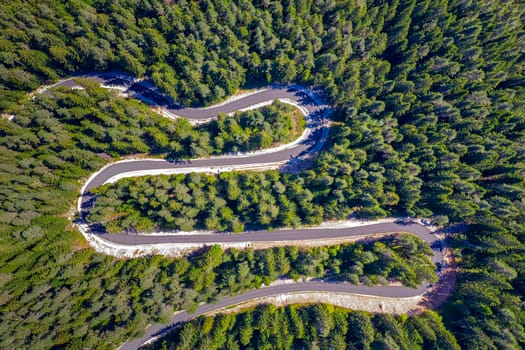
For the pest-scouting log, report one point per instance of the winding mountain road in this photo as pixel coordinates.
(156, 331)
(317, 114)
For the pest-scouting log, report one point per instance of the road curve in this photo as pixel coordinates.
(156, 331)
(317, 114)
(391, 292)
(144, 91)
(286, 235)
(309, 100)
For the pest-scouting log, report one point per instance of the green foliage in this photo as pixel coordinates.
(231, 202)
(267, 126)
(329, 328)
(429, 121)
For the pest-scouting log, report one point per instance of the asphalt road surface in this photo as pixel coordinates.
(300, 287)
(285, 235)
(142, 90)
(423, 232)
(317, 125)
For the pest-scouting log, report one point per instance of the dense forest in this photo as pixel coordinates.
(430, 121)
(278, 123)
(310, 327)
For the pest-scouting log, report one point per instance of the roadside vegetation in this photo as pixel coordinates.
(429, 122)
(103, 123)
(278, 123)
(309, 327)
